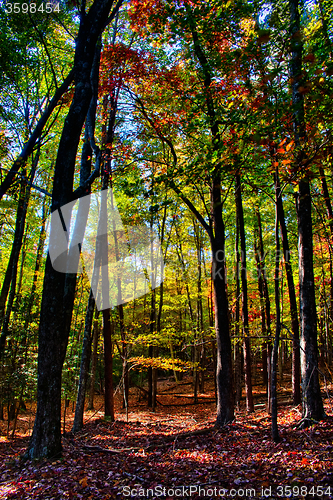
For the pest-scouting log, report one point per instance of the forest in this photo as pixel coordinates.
(166, 252)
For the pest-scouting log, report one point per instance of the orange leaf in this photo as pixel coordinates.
(84, 482)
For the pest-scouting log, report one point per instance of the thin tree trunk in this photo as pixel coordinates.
(40, 249)
(238, 354)
(296, 369)
(108, 365)
(267, 310)
(15, 251)
(94, 363)
(245, 313)
(84, 368)
(14, 258)
(275, 430)
(262, 306)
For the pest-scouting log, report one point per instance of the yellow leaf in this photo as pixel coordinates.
(84, 482)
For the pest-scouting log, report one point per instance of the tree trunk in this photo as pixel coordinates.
(59, 288)
(15, 251)
(245, 313)
(215, 230)
(93, 364)
(84, 368)
(15, 254)
(274, 409)
(311, 396)
(296, 370)
(225, 397)
(237, 354)
(108, 365)
(40, 249)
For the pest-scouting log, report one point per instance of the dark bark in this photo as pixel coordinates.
(274, 408)
(84, 367)
(15, 253)
(40, 249)
(262, 305)
(267, 308)
(238, 354)
(108, 365)
(59, 288)
(245, 312)
(311, 396)
(225, 396)
(296, 369)
(152, 330)
(93, 364)
(329, 211)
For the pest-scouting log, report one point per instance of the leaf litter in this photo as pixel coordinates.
(173, 447)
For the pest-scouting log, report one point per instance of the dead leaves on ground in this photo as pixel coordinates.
(104, 458)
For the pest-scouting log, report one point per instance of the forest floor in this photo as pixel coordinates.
(175, 452)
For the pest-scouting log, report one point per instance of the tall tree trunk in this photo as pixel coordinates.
(84, 368)
(225, 396)
(59, 288)
(108, 365)
(238, 354)
(262, 306)
(15, 254)
(40, 249)
(152, 330)
(275, 430)
(267, 309)
(311, 395)
(329, 211)
(94, 363)
(296, 369)
(215, 230)
(245, 312)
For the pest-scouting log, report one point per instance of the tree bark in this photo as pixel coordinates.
(59, 288)
(238, 354)
(262, 303)
(311, 396)
(296, 369)
(84, 367)
(93, 364)
(245, 312)
(108, 365)
(15, 254)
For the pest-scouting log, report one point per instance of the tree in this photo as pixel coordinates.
(311, 396)
(59, 288)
